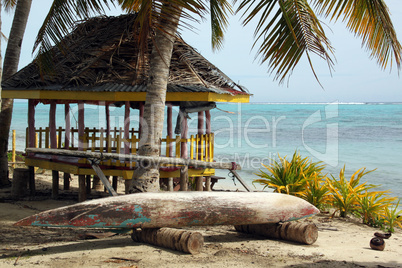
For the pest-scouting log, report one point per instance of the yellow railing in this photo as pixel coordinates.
(199, 147)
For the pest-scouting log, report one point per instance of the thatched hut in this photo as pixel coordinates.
(100, 64)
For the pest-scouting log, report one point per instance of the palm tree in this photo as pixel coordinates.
(162, 18)
(11, 59)
(286, 31)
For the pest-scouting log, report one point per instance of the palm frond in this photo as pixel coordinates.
(219, 10)
(8, 5)
(287, 30)
(60, 20)
(369, 20)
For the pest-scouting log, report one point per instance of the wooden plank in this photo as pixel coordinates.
(184, 178)
(176, 209)
(129, 157)
(241, 180)
(105, 181)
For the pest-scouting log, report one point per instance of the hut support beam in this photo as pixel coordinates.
(67, 176)
(53, 145)
(199, 180)
(184, 133)
(170, 134)
(31, 142)
(107, 111)
(82, 195)
(207, 131)
(141, 119)
(126, 127)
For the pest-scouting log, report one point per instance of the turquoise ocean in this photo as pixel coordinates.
(355, 135)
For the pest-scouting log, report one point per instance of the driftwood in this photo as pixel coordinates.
(181, 240)
(292, 231)
(143, 160)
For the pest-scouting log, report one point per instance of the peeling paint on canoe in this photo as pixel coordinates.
(177, 209)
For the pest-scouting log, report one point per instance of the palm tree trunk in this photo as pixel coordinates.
(146, 176)
(11, 60)
(1, 58)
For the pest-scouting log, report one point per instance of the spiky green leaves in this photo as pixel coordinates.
(290, 177)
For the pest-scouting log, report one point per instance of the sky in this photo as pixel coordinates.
(356, 77)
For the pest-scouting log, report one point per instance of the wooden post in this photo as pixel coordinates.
(199, 179)
(127, 127)
(53, 145)
(170, 134)
(170, 184)
(82, 194)
(115, 182)
(107, 111)
(31, 123)
(141, 119)
(67, 121)
(52, 125)
(199, 183)
(55, 184)
(184, 133)
(31, 142)
(305, 233)
(31, 180)
(81, 125)
(67, 136)
(97, 185)
(88, 183)
(208, 183)
(170, 128)
(66, 181)
(184, 178)
(200, 123)
(13, 149)
(181, 240)
(207, 122)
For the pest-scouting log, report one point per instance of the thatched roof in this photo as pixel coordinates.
(103, 57)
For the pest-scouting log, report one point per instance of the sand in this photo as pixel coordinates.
(342, 242)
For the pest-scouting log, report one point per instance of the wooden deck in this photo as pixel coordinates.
(198, 147)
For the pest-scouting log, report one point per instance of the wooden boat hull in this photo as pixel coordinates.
(176, 209)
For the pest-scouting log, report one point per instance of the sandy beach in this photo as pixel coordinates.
(341, 242)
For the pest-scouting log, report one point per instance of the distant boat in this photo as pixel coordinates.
(176, 209)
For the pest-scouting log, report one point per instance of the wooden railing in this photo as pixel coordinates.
(199, 147)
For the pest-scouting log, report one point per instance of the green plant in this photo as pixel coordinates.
(370, 206)
(289, 177)
(392, 217)
(344, 193)
(316, 191)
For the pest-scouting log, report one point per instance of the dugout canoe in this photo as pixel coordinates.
(176, 209)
